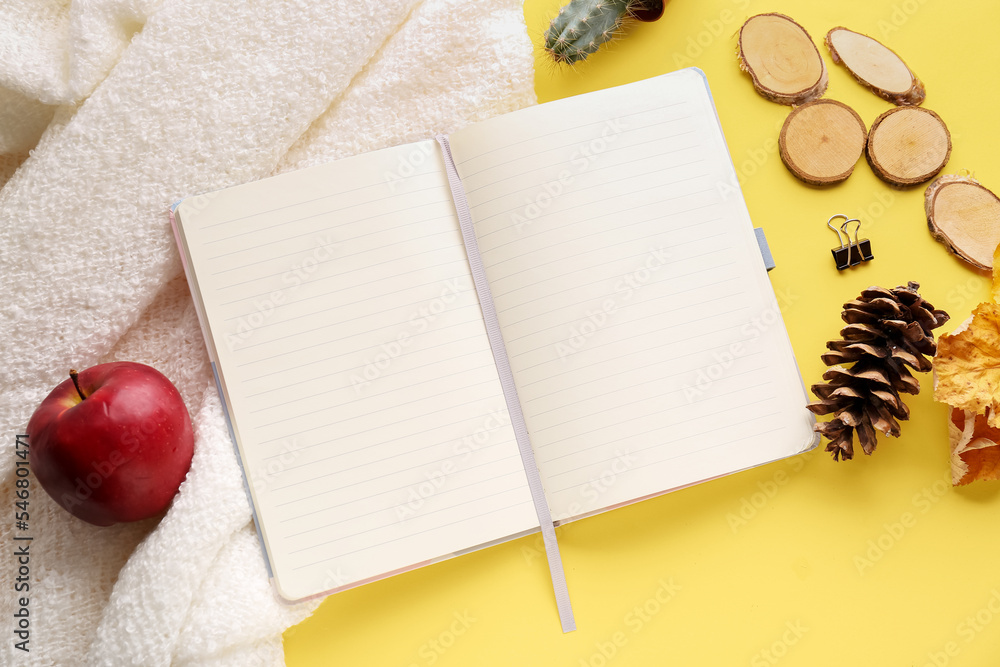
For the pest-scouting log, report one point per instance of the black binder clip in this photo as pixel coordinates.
(851, 252)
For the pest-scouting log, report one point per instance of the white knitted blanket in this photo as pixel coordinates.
(127, 106)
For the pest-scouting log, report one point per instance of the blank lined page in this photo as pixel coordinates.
(355, 363)
(645, 339)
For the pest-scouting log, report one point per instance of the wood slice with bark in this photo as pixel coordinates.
(908, 145)
(876, 66)
(781, 59)
(965, 216)
(821, 141)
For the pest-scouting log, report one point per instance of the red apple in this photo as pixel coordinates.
(112, 444)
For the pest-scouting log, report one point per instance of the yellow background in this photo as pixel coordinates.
(795, 560)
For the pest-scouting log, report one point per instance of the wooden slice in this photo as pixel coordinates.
(908, 145)
(876, 66)
(964, 216)
(781, 59)
(821, 141)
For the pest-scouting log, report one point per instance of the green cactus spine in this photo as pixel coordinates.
(582, 26)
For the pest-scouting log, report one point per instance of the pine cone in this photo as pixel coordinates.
(887, 330)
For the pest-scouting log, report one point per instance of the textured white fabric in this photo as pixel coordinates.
(158, 99)
(22, 121)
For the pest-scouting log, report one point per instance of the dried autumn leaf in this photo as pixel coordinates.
(975, 448)
(967, 361)
(967, 365)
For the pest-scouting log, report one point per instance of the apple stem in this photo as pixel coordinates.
(76, 383)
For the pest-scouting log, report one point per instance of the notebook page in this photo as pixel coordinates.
(642, 330)
(355, 363)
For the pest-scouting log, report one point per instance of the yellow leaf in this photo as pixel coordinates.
(975, 448)
(967, 365)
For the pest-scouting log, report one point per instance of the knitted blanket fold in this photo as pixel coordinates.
(127, 106)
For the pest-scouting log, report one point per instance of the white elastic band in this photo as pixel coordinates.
(509, 390)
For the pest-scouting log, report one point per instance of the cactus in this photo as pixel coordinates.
(583, 25)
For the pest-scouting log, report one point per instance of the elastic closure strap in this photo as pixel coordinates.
(509, 390)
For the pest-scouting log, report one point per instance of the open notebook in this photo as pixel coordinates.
(341, 313)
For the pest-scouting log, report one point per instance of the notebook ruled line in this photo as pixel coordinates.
(616, 260)
(650, 397)
(591, 172)
(436, 281)
(343, 256)
(330, 458)
(535, 332)
(331, 211)
(521, 304)
(384, 442)
(640, 128)
(755, 435)
(327, 326)
(381, 510)
(644, 302)
(341, 322)
(570, 129)
(391, 457)
(325, 376)
(404, 537)
(314, 362)
(607, 392)
(316, 232)
(673, 424)
(392, 524)
(617, 212)
(369, 479)
(338, 422)
(547, 378)
(395, 406)
(610, 150)
(334, 276)
(382, 493)
(582, 204)
(307, 201)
